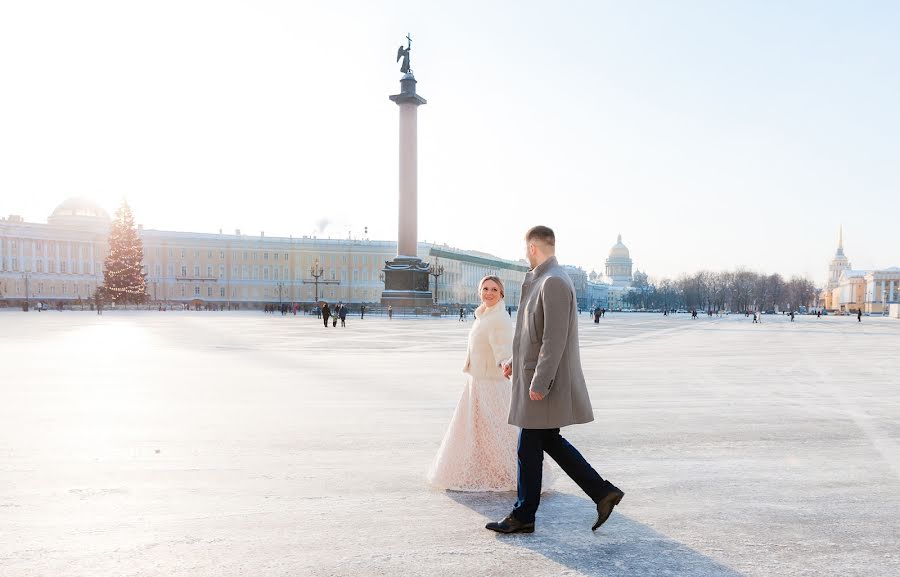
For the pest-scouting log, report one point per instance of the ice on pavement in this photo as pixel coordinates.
(209, 444)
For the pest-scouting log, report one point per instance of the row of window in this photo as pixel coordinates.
(39, 289)
(246, 272)
(358, 259)
(210, 291)
(84, 250)
(53, 266)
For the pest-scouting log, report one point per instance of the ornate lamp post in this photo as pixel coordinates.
(280, 289)
(27, 302)
(436, 270)
(316, 271)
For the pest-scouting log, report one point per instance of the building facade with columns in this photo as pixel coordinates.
(62, 261)
(848, 290)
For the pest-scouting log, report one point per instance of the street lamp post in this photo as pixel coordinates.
(280, 288)
(436, 270)
(316, 271)
(26, 275)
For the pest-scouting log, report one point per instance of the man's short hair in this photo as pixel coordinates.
(542, 234)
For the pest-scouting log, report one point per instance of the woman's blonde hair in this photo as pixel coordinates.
(494, 278)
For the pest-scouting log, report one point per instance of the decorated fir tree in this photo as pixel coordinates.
(123, 281)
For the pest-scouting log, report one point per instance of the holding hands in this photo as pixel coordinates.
(507, 372)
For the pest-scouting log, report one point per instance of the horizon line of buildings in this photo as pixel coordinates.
(62, 261)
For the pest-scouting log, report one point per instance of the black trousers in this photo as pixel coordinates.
(533, 443)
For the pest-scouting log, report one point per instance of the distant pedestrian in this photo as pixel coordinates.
(326, 312)
(818, 314)
(362, 311)
(462, 314)
(859, 315)
(390, 311)
(342, 312)
(792, 316)
(597, 315)
(755, 319)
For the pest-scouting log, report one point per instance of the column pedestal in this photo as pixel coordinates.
(406, 283)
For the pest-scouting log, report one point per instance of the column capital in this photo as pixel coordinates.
(408, 92)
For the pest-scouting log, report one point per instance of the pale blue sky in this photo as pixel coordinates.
(710, 134)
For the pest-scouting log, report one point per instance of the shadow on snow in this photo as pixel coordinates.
(621, 548)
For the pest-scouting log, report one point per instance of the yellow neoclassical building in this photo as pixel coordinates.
(848, 290)
(62, 261)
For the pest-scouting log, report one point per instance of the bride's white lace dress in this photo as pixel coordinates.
(478, 452)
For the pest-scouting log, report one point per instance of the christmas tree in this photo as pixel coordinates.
(123, 281)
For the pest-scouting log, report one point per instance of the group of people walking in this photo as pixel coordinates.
(340, 312)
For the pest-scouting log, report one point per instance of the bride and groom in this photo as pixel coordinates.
(482, 449)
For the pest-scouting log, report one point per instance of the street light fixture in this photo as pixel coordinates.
(316, 271)
(436, 270)
(26, 276)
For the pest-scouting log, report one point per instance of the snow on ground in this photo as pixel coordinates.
(215, 444)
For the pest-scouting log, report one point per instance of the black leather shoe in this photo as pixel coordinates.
(605, 507)
(510, 525)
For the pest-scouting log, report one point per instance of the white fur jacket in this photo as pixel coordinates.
(490, 342)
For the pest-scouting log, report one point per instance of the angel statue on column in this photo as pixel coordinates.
(404, 54)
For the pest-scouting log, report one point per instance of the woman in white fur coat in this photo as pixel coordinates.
(478, 452)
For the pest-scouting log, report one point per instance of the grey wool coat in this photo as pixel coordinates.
(545, 357)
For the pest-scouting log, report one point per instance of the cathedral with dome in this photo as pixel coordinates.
(607, 290)
(619, 265)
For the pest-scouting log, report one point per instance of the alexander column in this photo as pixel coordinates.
(406, 277)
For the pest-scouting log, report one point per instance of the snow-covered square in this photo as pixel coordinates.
(201, 444)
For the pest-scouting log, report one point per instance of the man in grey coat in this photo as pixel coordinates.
(548, 387)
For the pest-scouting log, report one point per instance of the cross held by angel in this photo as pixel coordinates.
(404, 54)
